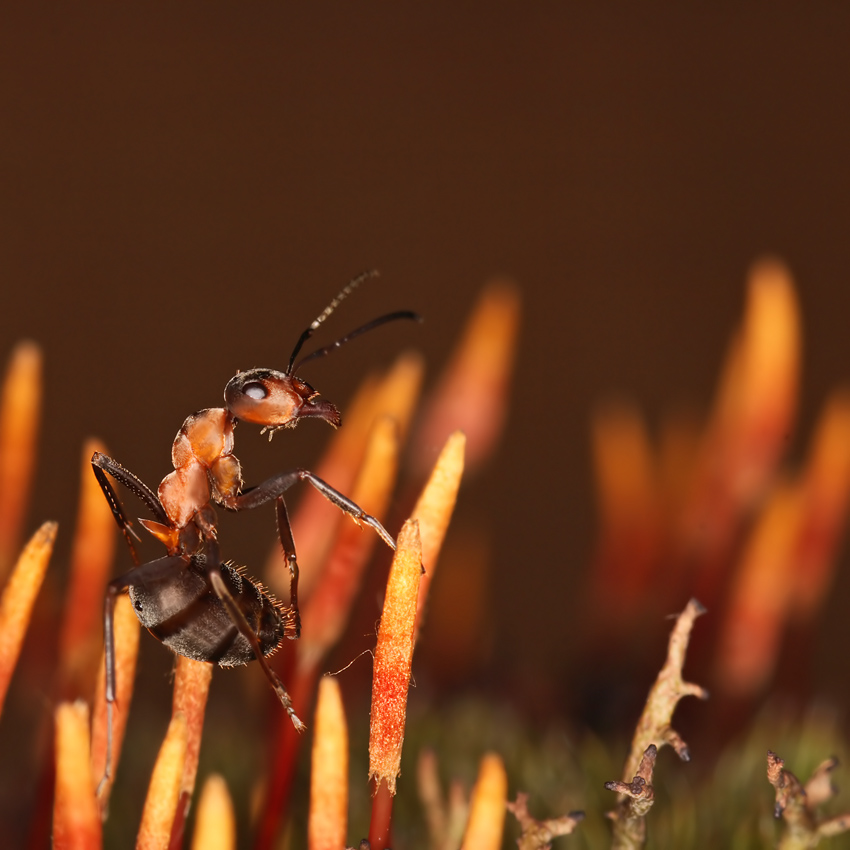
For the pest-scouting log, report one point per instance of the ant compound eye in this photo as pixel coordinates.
(255, 390)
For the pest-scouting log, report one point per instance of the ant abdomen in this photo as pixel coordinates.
(182, 610)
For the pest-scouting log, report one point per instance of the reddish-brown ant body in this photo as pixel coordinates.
(190, 600)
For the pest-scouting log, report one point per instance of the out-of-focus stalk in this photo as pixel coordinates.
(19, 597)
(328, 817)
(471, 395)
(487, 806)
(20, 411)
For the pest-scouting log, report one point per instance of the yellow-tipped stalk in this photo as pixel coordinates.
(18, 599)
(164, 789)
(487, 806)
(433, 511)
(328, 817)
(20, 410)
(215, 822)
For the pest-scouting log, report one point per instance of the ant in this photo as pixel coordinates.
(189, 599)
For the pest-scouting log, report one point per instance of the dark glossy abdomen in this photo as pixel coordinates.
(183, 612)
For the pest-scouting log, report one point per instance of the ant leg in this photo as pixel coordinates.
(102, 464)
(145, 572)
(279, 484)
(213, 568)
(284, 533)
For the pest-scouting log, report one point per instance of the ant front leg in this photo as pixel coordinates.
(102, 464)
(275, 487)
(146, 572)
(213, 571)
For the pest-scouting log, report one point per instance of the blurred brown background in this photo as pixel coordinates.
(183, 189)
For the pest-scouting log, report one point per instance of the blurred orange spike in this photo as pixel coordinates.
(753, 415)
(127, 631)
(215, 823)
(760, 597)
(328, 818)
(326, 612)
(393, 656)
(18, 599)
(92, 553)
(628, 499)
(487, 806)
(471, 395)
(76, 820)
(20, 411)
(164, 789)
(393, 395)
(434, 509)
(826, 492)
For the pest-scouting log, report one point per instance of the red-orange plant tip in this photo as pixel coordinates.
(19, 597)
(393, 656)
(76, 821)
(487, 806)
(328, 818)
(20, 409)
(215, 822)
(164, 789)
(434, 509)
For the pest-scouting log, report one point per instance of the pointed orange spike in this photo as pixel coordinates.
(18, 599)
(164, 789)
(434, 509)
(328, 817)
(76, 820)
(20, 411)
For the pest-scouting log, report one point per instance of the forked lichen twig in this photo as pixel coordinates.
(797, 804)
(538, 834)
(654, 729)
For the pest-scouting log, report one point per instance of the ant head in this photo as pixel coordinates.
(275, 400)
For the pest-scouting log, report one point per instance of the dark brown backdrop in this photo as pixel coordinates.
(181, 190)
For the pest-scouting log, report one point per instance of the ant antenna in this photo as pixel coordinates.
(381, 320)
(340, 297)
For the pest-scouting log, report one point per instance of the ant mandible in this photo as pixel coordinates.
(189, 599)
